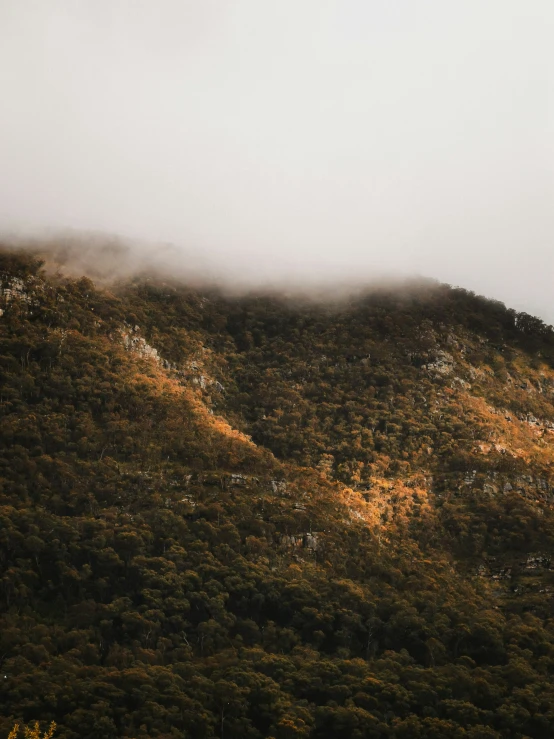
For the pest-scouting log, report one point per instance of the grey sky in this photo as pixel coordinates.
(332, 138)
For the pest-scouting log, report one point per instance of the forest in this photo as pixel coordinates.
(267, 517)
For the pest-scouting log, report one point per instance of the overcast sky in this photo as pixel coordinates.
(291, 137)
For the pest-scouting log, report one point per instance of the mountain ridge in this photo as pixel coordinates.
(237, 515)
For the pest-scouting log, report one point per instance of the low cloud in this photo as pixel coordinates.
(291, 142)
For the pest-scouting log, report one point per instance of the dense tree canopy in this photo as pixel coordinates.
(257, 517)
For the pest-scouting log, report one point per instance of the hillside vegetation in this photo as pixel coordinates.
(257, 516)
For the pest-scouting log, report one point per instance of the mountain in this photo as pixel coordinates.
(265, 516)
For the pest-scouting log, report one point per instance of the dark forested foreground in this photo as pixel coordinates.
(250, 517)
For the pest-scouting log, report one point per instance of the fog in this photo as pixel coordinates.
(313, 140)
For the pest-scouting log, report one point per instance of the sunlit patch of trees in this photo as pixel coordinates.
(32, 732)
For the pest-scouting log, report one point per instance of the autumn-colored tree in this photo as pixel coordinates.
(33, 731)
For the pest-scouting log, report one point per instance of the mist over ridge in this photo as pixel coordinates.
(292, 143)
(114, 263)
(111, 261)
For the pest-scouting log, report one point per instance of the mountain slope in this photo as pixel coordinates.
(259, 517)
